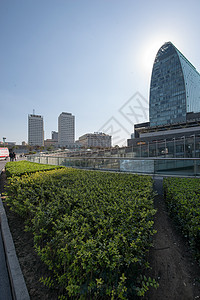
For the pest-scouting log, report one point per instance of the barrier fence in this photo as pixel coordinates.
(163, 166)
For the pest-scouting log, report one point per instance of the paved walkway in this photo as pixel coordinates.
(5, 289)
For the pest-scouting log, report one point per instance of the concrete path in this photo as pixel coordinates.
(5, 290)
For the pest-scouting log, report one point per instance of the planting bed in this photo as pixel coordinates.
(25, 167)
(92, 229)
(171, 259)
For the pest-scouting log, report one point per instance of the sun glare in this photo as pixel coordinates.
(149, 53)
(150, 47)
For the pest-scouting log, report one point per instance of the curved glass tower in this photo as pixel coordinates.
(174, 89)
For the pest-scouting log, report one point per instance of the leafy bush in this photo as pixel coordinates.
(92, 229)
(18, 168)
(183, 200)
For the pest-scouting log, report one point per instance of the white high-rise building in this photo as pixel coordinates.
(35, 130)
(66, 131)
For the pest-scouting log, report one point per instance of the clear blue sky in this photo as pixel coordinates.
(86, 57)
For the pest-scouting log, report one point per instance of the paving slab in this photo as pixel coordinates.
(5, 288)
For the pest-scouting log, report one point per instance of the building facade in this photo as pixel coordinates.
(54, 135)
(66, 130)
(35, 130)
(174, 108)
(95, 140)
(174, 88)
(50, 142)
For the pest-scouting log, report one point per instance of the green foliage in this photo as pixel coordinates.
(92, 229)
(47, 281)
(183, 200)
(145, 283)
(18, 168)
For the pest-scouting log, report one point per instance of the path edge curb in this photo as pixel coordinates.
(18, 285)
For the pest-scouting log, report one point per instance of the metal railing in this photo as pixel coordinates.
(162, 166)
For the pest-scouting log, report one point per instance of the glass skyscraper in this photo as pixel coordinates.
(174, 88)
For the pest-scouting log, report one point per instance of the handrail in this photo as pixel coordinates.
(146, 165)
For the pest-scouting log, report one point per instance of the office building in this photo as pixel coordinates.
(95, 140)
(50, 142)
(66, 130)
(35, 130)
(174, 108)
(174, 89)
(54, 135)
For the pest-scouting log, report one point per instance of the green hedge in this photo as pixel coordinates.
(183, 200)
(18, 168)
(92, 229)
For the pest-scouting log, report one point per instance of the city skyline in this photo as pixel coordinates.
(88, 58)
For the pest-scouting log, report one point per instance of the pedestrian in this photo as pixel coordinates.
(11, 156)
(14, 156)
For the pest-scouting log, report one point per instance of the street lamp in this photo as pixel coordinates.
(194, 145)
(156, 148)
(165, 147)
(4, 139)
(183, 137)
(174, 139)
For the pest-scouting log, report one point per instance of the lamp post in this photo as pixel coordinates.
(156, 148)
(194, 142)
(4, 140)
(183, 137)
(174, 139)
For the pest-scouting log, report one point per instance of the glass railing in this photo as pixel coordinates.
(164, 166)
